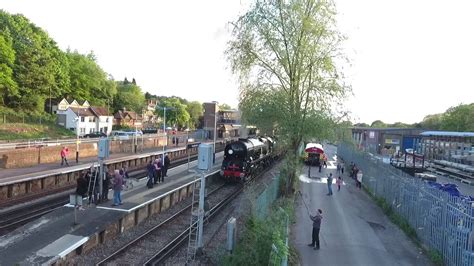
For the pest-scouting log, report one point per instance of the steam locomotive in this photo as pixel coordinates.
(245, 157)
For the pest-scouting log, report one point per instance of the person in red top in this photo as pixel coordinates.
(64, 154)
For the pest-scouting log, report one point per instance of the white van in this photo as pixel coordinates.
(120, 135)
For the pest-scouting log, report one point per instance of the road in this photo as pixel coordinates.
(354, 230)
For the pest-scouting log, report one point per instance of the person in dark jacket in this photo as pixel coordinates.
(105, 185)
(117, 184)
(166, 165)
(150, 168)
(316, 227)
(81, 189)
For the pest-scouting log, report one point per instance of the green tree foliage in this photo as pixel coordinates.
(39, 68)
(195, 111)
(459, 118)
(432, 121)
(283, 52)
(88, 80)
(129, 96)
(7, 58)
(224, 106)
(378, 124)
(176, 113)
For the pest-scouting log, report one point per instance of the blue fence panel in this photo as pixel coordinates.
(441, 221)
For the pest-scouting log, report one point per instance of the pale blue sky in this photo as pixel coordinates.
(409, 58)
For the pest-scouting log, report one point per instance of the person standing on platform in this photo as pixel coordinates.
(150, 168)
(177, 141)
(166, 165)
(158, 170)
(329, 184)
(64, 153)
(117, 186)
(105, 185)
(342, 169)
(338, 168)
(81, 189)
(316, 227)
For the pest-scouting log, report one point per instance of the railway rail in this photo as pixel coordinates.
(141, 249)
(15, 218)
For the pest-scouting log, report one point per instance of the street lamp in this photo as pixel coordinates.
(77, 135)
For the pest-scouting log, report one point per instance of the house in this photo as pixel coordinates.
(150, 119)
(83, 118)
(128, 119)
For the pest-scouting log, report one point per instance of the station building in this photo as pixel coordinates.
(227, 122)
(386, 141)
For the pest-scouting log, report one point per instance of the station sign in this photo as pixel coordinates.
(193, 145)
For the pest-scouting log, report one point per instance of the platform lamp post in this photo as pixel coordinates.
(164, 124)
(215, 132)
(77, 135)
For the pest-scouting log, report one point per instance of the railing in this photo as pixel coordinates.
(442, 222)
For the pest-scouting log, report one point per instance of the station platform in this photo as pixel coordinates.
(55, 167)
(54, 236)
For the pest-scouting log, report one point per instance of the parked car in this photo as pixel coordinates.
(96, 135)
(120, 135)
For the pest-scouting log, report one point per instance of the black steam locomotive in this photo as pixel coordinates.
(244, 157)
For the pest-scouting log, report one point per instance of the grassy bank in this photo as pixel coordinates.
(20, 131)
(255, 245)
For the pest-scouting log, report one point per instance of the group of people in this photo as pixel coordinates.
(157, 170)
(88, 184)
(356, 174)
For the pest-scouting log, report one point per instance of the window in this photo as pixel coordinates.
(91, 130)
(83, 130)
(107, 120)
(82, 119)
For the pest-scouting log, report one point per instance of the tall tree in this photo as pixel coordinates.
(224, 106)
(129, 96)
(286, 50)
(378, 124)
(8, 86)
(176, 113)
(459, 118)
(195, 111)
(88, 80)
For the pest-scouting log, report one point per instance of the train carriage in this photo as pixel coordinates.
(313, 154)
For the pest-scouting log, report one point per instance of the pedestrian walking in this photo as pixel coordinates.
(342, 169)
(359, 179)
(338, 168)
(339, 183)
(316, 227)
(64, 153)
(320, 166)
(117, 183)
(150, 168)
(329, 184)
(166, 165)
(81, 190)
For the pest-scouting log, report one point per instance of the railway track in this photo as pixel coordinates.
(168, 234)
(146, 250)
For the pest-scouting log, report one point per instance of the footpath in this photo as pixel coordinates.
(354, 230)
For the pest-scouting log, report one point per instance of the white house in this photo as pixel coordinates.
(87, 119)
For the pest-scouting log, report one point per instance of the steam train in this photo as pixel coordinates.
(245, 157)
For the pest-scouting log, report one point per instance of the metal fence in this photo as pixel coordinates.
(442, 222)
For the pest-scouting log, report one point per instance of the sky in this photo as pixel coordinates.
(408, 59)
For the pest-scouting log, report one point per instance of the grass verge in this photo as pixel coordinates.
(20, 131)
